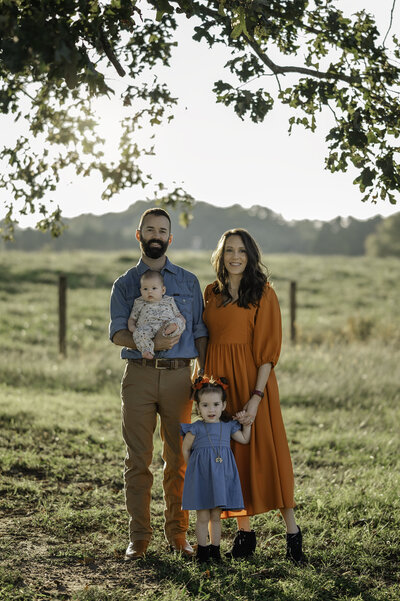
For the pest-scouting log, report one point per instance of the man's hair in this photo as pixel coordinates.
(154, 211)
(152, 273)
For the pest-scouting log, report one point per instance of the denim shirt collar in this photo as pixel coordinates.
(142, 267)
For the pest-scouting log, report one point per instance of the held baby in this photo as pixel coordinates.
(152, 310)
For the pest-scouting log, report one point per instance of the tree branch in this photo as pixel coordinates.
(279, 70)
(110, 53)
(391, 22)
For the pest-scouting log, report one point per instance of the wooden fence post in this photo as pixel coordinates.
(62, 314)
(293, 311)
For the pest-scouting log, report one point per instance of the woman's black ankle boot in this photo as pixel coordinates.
(203, 553)
(215, 553)
(294, 548)
(244, 544)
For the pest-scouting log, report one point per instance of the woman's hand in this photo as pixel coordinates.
(248, 414)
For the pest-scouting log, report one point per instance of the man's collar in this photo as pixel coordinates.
(142, 267)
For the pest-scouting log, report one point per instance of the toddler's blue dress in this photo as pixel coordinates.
(208, 483)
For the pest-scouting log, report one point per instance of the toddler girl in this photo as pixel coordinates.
(212, 479)
(150, 311)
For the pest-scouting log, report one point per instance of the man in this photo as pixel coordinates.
(160, 385)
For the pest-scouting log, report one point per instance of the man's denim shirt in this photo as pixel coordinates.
(184, 288)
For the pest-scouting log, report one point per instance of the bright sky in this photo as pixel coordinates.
(221, 160)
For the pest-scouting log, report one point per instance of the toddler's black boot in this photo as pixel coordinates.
(215, 553)
(294, 548)
(203, 554)
(244, 545)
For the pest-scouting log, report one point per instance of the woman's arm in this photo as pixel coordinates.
(251, 406)
(187, 446)
(262, 376)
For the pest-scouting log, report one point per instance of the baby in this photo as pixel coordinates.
(152, 310)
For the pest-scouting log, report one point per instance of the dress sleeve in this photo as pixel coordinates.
(267, 329)
(185, 428)
(235, 426)
(208, 293)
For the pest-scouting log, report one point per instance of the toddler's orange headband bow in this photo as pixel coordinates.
(200, 382)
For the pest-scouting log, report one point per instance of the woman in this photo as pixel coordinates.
(244, 323)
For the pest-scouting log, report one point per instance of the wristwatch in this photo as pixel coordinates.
(258, 393)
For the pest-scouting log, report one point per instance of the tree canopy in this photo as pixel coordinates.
(55, 56)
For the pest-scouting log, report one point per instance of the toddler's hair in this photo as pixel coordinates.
(151, 273)
(204, 385)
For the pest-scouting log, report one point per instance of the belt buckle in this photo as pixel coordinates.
(156, 364)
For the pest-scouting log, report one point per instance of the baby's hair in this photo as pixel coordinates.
(151, 273)
(205, 385)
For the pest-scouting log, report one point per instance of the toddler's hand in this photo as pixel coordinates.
(240, 416)
(244, 418)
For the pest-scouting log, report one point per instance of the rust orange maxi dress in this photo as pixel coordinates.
(240, 340)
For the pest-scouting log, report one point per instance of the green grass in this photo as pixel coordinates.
(63, 525)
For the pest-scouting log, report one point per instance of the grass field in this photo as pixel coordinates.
(63, 526)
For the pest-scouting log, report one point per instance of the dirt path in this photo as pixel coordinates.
(37, 562)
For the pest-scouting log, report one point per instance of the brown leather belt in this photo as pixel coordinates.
(162, 363)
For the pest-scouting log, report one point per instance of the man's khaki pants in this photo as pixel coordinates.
(146, 391)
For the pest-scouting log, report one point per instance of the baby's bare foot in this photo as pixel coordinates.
(147, 355)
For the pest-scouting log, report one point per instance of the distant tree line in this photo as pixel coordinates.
(385, 241)
(115, 231)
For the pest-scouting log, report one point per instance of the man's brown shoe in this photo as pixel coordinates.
(181, 545)
(137, 549)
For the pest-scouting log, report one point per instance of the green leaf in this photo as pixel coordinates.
(221, 8)
(236, 31)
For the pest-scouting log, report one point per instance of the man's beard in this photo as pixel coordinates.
(153, 252)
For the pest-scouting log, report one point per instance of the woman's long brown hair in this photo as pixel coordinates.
(253, 279)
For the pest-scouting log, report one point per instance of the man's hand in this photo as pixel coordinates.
(164, 343)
